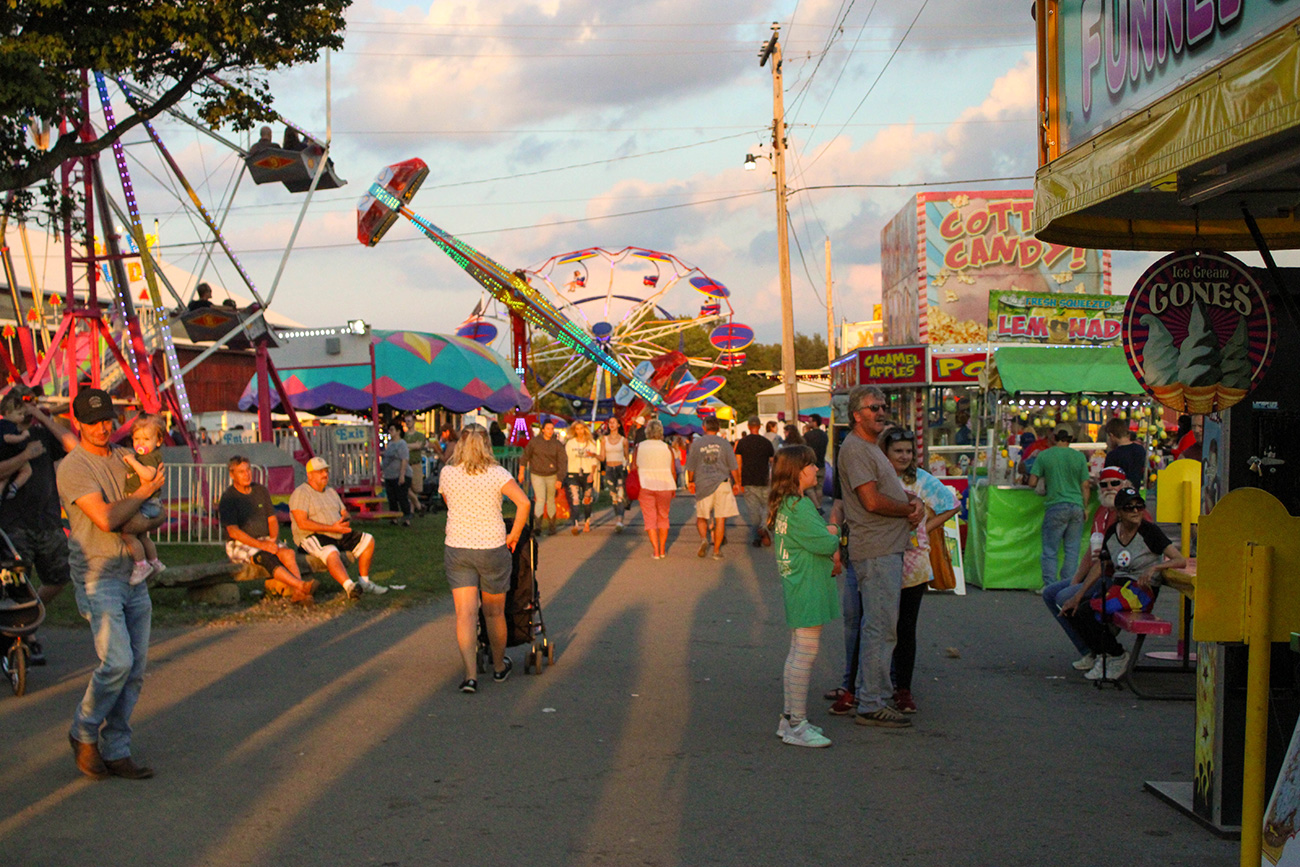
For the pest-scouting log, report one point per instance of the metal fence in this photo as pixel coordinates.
(348, 449)
(190, 500)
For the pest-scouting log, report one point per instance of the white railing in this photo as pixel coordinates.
(348, 449)
(190, 500)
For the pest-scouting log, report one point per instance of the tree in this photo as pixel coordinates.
(168, 47)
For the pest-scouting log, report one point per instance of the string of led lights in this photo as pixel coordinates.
(141, 245)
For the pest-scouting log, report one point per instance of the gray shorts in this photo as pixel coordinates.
(488, 569)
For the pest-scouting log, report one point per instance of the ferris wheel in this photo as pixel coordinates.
(637, 304)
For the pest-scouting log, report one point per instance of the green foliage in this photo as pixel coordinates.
(168, 47)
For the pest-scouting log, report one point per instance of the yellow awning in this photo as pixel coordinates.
(1122, 190)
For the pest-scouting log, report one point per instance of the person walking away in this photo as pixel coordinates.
(805, 551)
(754, 455)
(713, 477)
(792, 436)
(582, 460)
(1064, 472)
(1122, 452)
(90, 482)
(1136, 552)
(899, 445)
(613, 454)
(478, 548)
(773, 437)
(396, 464)
(545, 460)
(656, 466)
(881, 515)
(815, 438)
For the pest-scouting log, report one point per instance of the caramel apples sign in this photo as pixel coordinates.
(1199, 331)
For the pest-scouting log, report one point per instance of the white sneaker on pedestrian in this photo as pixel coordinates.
(1115, 666)
(1085, 662)
(805, 735)
(783, 727)
(369, 586)
(157, 566)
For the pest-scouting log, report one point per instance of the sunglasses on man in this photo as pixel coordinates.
(1112, 483)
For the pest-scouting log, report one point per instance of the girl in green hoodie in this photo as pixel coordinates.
(805, 548)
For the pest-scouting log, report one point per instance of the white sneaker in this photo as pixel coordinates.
(157, 566)
(369, 586)
(141, 572)
(1085, 662)
(805, 735)
(783, 727)
(1115, 666)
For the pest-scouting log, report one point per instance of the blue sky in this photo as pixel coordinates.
(554, 126)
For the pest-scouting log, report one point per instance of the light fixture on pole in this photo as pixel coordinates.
(751, 162)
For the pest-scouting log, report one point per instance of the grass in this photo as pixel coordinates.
(410, 556)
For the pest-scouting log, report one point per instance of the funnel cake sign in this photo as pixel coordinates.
(1199, 332)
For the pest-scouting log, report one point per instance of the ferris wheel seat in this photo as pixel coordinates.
(208, 324)
(293, 168)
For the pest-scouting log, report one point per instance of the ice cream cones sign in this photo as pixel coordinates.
(1199, 331)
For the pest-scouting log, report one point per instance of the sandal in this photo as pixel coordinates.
(470, 685)
(836, 694)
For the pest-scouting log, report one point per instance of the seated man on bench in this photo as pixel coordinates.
(252, 530)
(1138, 552)
(321, 528)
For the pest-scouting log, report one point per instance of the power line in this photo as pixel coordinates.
(911, 185)
(866, 95)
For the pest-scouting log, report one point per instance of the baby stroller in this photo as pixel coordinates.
(21, 613)
(524, 621)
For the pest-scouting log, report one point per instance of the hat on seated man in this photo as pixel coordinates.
(323, 529)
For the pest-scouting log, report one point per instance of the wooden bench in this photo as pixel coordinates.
(1141, 624)
(369, 508)
(216, 583)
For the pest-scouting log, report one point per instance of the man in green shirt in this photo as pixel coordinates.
(1064, 472)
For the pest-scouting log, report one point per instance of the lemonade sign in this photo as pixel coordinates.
(1017, 316)
(1199, 331)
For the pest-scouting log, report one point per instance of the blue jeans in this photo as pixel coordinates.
(616, 480)
(1054, 596)
(851, 604)
(880, 583)
(120, 618)
(1062, 522)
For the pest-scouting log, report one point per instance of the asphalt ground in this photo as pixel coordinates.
(650, 741)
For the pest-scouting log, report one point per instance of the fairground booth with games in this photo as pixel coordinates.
(1176, 127)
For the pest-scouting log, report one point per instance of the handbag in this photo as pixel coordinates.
(940, 563)
(632, 485)
(562, 511)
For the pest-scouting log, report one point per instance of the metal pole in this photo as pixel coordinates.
(830, 355)
(788, 376)
(1259, 577)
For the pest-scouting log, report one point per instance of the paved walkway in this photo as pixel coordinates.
(650, 742)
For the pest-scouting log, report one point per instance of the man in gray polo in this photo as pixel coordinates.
(91, 479)
(880, 515)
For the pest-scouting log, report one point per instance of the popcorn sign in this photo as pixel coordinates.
(1199, 331)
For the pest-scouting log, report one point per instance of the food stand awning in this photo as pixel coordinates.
(1070, 370)
(1165, 157)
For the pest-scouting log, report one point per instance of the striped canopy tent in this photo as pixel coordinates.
(414, 372)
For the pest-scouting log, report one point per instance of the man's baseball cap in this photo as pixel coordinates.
(1112, 474)
(1064, 434)
(92, 406)
(1128, 497)
(317, 463)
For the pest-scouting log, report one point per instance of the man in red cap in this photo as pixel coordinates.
(91, 480)
(1111, 481)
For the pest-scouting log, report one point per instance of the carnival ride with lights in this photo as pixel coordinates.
(603, 308)
(103, 349)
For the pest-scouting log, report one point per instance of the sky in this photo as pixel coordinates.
(553, 126)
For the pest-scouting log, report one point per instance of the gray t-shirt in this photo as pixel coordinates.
(394, 453)
(323, 507)
(712, 461)
(870, 535)
(93, 553)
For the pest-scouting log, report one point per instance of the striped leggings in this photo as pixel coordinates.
(798, 670)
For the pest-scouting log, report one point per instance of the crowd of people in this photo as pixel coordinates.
(884, 534)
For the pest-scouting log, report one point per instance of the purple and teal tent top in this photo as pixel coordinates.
(414, 372)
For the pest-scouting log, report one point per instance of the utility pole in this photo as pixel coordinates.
(772, 50)
(830, 352)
